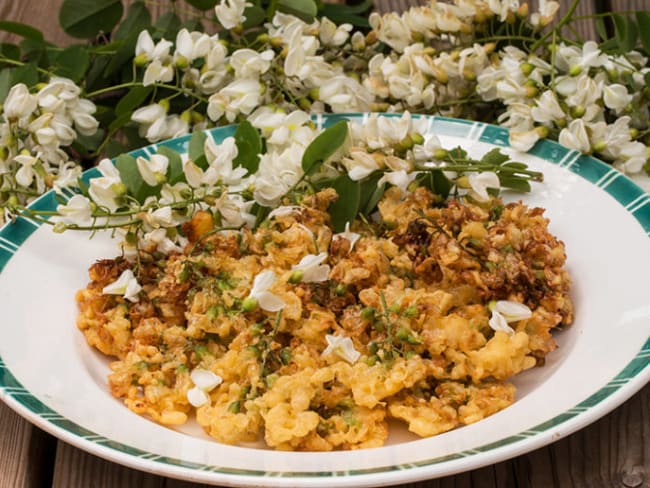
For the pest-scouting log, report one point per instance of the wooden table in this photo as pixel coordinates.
(613, 452)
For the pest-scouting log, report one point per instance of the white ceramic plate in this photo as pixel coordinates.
(50, 376)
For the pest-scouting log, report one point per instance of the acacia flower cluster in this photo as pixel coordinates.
(487, 60)
(36, 126)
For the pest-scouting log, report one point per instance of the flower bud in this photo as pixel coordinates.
(119, 189)
(440, 153)
(164, 103)
(526, 68)
(263, 38)
(140, 60)
(577, 112)
(59, 228)
(181, 62)
(249, 304)
(600, 146)
(575, 70)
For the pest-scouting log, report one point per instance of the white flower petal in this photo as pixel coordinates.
(498, 323)
(269, 302)
(197, 397)
(125, 285)
(341, 346)
(205, 379)
(513, 311)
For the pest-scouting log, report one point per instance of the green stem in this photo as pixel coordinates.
(14, 62)
(133, 84)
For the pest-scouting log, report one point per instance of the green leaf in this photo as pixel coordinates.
(119, 121)
(249, 147)
(514, 183)
(202, 4)
(324, 146)
(23, 30)
(136, 20)
(123, 55)
(346, 207)
(254, 16)
(90, 143)
(494, 157)
(175, 172)
(195, 150)
(167, 26)
(10, 51)
(5, 83)
(643, 20)
(356, 15)
(515, 165)
(131, 177)
(95, 77)
(303, 9)
(370, 193)
(133, 99)
(192, 25)
(114, 148)
(27, 74)
(72, 62)
(625, 33)
(436, 181)
(129, 174)
(601, 28)
(87, 18)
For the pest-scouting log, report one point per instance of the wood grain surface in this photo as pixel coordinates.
(613, 452)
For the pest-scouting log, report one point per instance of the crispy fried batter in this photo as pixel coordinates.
(412, 294)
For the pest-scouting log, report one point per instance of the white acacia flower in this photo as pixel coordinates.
(145, 47)
(360, 164)
(391, 29)
(352, 237)
(157, 239)
(158, 71)
(506, 311)
(191, 45)
(248, 63)
(231, 12)
(68, 176)
(220, 157)
(81, 114)
(26, 174)
(332, 35)
(311, 268)
(240, 96)
(341, 346)
(499, 323)
(401, 179)
(547, 11)
(524, 140)
(77, 211)
(512, 311)
(153, 170)
(280, 129)
(284, 211)
(503, 7)
(19, 102)
(149, 114)
(575, 136)
(261, 294)
(344, 94)
(616, 97)
(480, 182)
(108, 188)
(126, 285)
(204, 382)
(547, 109)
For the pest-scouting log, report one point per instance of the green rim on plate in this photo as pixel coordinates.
(628, 195)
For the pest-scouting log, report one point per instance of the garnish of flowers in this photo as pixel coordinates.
(491, 61)
(151, 198)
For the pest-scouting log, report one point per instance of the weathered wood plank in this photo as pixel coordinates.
(26, 452)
